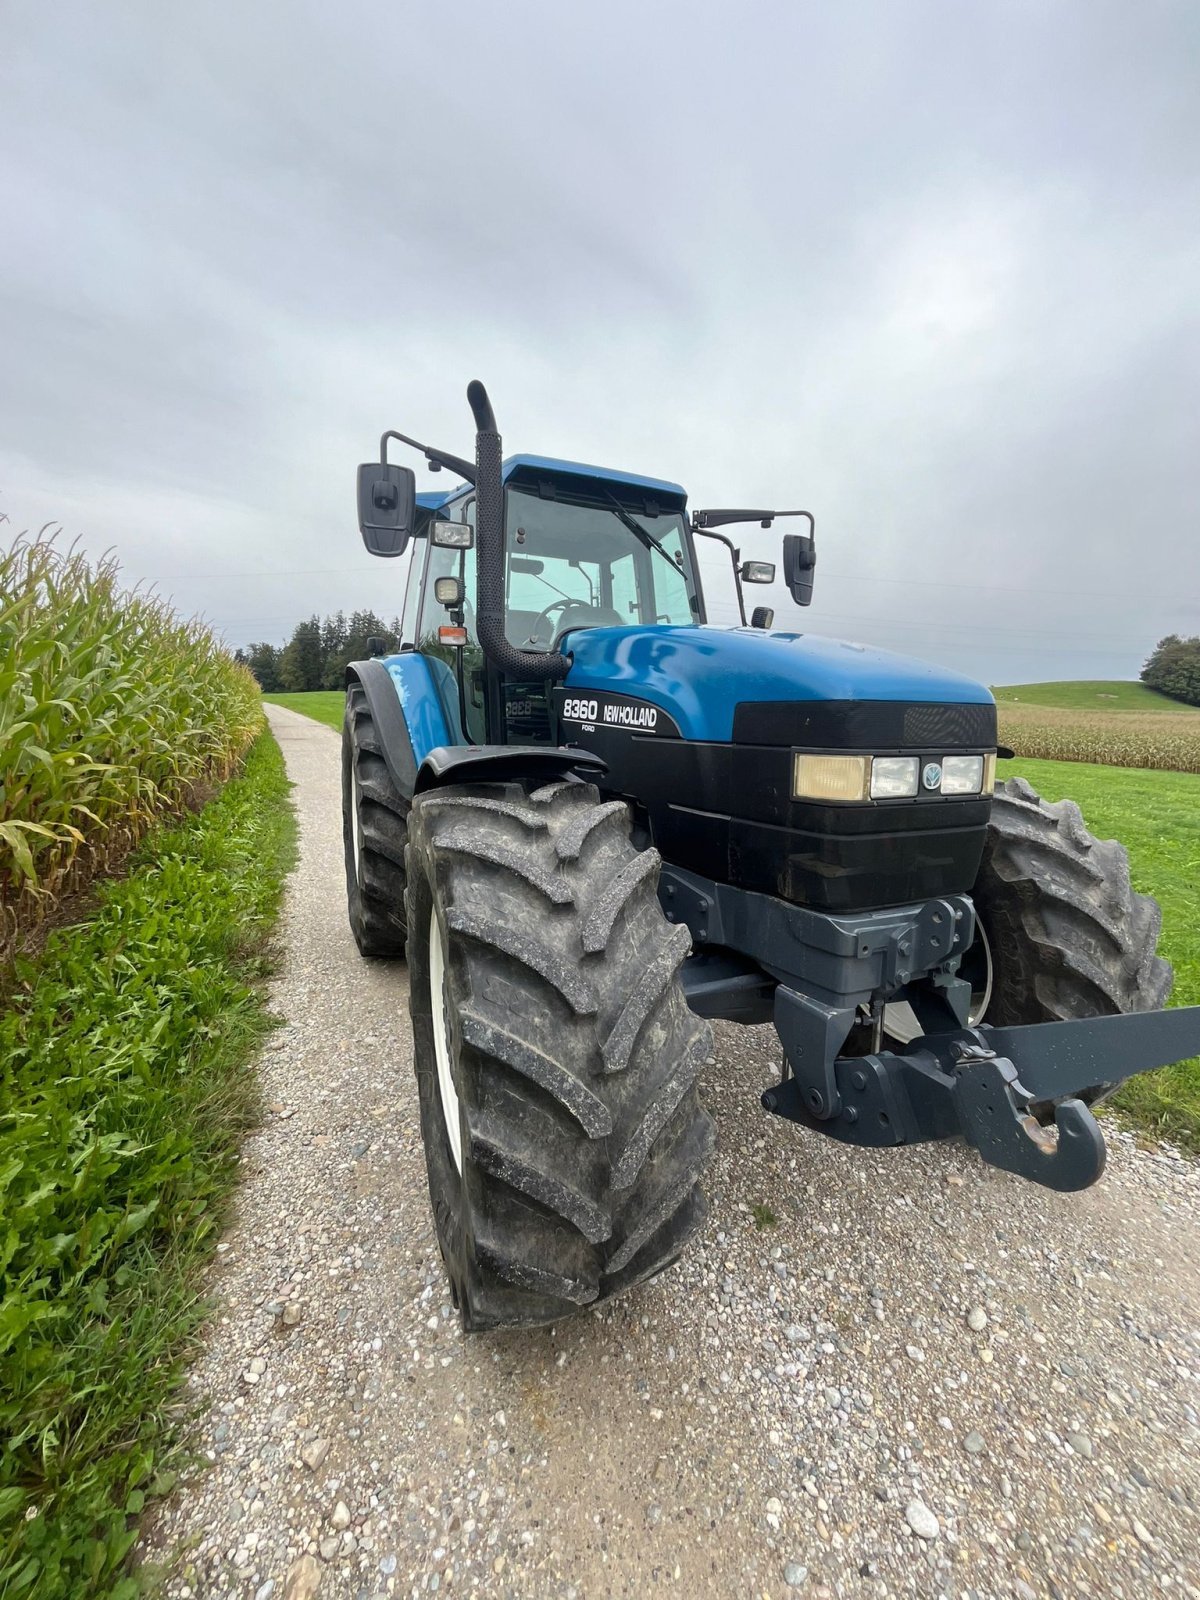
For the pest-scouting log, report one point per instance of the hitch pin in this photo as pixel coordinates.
(1046, 1139)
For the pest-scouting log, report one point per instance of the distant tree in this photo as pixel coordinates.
(263, 660)
(301, 665)
(1174, 669)
(316, 655)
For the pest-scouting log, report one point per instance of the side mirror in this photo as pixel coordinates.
(387, 503)
(757, 572)
(376, 646)
(799, 561)
(762, 617)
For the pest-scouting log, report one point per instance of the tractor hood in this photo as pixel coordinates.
(700, 675)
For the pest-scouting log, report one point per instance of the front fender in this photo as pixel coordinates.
(505, 763)
(408, 712)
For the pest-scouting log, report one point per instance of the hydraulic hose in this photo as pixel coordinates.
(489, 543)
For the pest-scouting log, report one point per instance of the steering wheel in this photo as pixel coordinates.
(535, 636)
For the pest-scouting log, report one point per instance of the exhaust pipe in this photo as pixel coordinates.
(489, 539)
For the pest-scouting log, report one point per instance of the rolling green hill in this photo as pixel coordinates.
(1095, 694)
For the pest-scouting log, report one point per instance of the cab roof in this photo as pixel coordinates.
(528, 469)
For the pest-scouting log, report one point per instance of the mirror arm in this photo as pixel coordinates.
(439, 458)
(735, 555)
(704, 521)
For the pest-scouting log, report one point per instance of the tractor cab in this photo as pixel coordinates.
(583, 548)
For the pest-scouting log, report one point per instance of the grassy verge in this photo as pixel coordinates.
(1156, 816)
(323, 705)
(124, 1095)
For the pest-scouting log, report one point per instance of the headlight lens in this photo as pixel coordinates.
(830, 777)
(894, 777)
(962, 774)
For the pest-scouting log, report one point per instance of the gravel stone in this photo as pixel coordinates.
(1081, 1445)
(977, 1319)
(974, 1444)
(644, 1445)
(921, 1520)
(303, 1580)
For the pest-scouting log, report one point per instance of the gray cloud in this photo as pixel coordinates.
(930, 270)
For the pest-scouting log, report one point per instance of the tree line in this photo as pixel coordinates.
(315, 656)
(1174, 669)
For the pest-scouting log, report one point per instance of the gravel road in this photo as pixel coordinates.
(876, 1374)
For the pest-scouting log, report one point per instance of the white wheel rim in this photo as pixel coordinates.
(900, 1020)
(447, 1093)
(356, 826)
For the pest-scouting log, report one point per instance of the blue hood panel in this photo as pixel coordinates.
(700, 674)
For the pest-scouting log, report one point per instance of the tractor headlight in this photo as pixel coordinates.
(830, 777)
(451, 535)
(962, 774)
(894, 777)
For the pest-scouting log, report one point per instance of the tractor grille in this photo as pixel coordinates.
(865, 725)
(930, 727)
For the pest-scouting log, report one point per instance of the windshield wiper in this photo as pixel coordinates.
(645, 537)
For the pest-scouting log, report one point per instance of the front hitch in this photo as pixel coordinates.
(987, 1086)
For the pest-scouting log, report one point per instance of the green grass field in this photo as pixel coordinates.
(1156, 815)
(323, 705)
(1094, 694)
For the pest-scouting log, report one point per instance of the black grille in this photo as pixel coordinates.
(865, 725)
(929, 727)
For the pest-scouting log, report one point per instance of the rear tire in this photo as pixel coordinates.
(1069, 936)
(545, 976)
(374, 833)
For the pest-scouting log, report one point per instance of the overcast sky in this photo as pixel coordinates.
(932, 270)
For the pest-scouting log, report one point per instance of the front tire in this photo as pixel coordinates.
(374, 833)
(565, 1151)
(1069, 936)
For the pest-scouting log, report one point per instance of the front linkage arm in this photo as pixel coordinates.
(986, 1084)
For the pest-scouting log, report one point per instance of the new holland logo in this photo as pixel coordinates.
(931, 777)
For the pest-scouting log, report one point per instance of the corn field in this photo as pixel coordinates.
(1165, 741)
(113, 712)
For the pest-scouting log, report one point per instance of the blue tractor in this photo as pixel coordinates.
(594, 821)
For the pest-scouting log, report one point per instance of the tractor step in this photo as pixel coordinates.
(988, 1085)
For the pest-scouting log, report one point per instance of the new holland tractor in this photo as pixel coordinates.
(594, 821)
